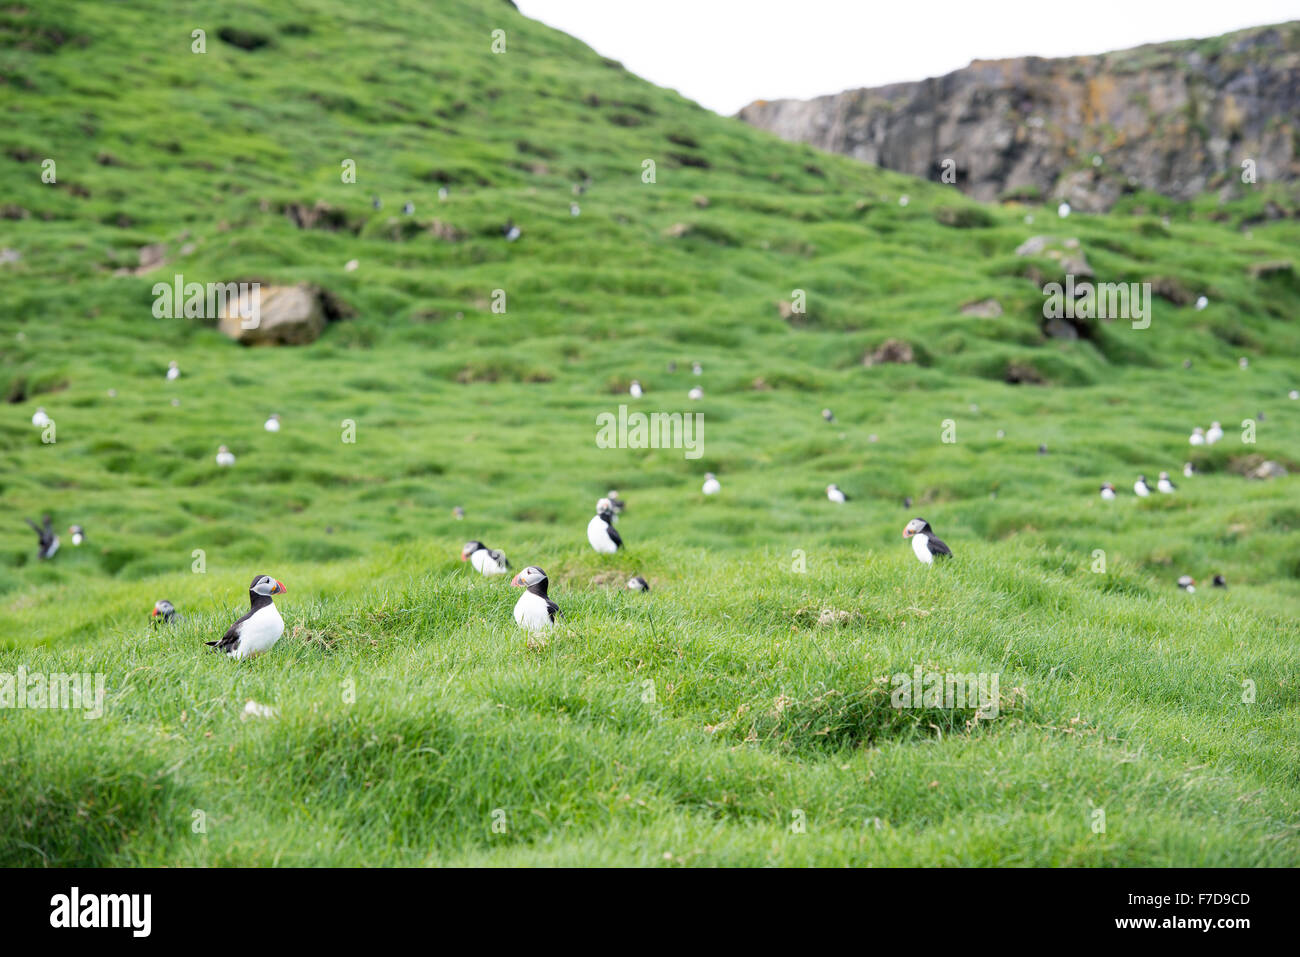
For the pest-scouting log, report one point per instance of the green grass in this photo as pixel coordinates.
(409, 706)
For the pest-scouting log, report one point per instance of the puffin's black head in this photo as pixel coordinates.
(163, 609)
(916, 526)
(266, 586)
(469, 549)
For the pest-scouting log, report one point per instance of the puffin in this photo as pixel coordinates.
(40, 419)
(510, 231)
(1220, 582)
(486, 561)
(260, 627)
(163, 611)
(224, 457)
(1187, 583)
(272, 424)
(1107, 491)
(1293, 395)
(173, 371)
(835, 495)
(534, 610)
(1243, 363)
(1201, 302)
(408, 208)
(637, 583)
(697, 368)
(1042, 450)
(78, 534)
(711, 484)
(617, 503)
(457, 512)
(575, 209)
(1197, 437)
(1214, 434)
(828, 415)
(1141, 488)
(1188, 470)
(672, 366)
(1164, 485)
(442, 194)
(376, 203)
(696, 394)
(49, 542)
(924, 543)
(635, 390)
(907, 501)
(600, 530)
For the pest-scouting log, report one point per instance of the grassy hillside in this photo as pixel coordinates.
(409, 706)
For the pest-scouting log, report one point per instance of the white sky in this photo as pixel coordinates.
(725, 53)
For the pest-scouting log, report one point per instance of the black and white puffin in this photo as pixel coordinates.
(534, 610)
(924, 543)
(907, 501)
(486, 561)
(273, 423)
(1187, 583)
(1164, 485)
(615, 501)
(1141, 488)
(225, 458)
(711, 484)
(377, 203)
(1220, 581)
(48, 541)
(457, 512)
(164, 611)
(510, 231)
(835, 495)
(173, 370)
(408, 208)
(260, 627)
(1189, 470)
(637, 583)
(1107, 491)
(635, 389)
(600, 530)
(40, 419)
(828, 415)
(78, 534)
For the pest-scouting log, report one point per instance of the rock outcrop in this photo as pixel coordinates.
(1177, 118)
(285, 315)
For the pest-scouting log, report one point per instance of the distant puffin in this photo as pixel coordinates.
(457, 512)
(534, 610)
(617, 503)
(408, 208)
(510, 231)
(486, 561)
(696, 394)
(40, 419)
(272, 424)
(924, 544)
(907, 501)
(1201, 302)
(697, 368)
(1042, 450)
(260, 627)
(1107, 491)
(828, 415)
(1243, 363)
(1197, 437)
(575, 209)
(48, 541)
(637, 583)
(1293, 395)
(1220, 581)
(1188, 470)
(835, 495)
(1164, 485)
(711, 484)
(635, 389)
(1141, 488)
(173, 370)
(672, 366)
(600, 530)
(1187, 583)
(442, 194)
(164, 611)
(376, 203)
(225, 458)
(78, 534)
(1214, 434)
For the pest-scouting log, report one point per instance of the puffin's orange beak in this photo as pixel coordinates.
(464, 555)
(907, 533)
(279, 588)
(516, 583)
(155, 611)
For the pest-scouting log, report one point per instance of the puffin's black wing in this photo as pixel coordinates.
(552, 609)
(937, 547)
(498, 557)
(613, 536)
(231, 637)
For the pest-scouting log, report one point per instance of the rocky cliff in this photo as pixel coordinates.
(1178, 118)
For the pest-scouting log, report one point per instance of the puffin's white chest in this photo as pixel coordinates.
(262, 630)
(1165, 486)
(272, 425)
(1107, 494)
(598, 535)
(485, 564)
(836, 496)
(635, 390)
(712, 487)
(532, 613)
(1213, 436)
(225, 459)
(921, 548)
(1140, 489)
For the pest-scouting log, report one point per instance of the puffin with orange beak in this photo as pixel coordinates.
(260, 627)
(164, 611)
(534, 610)
(486, 561)
(924, 542)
